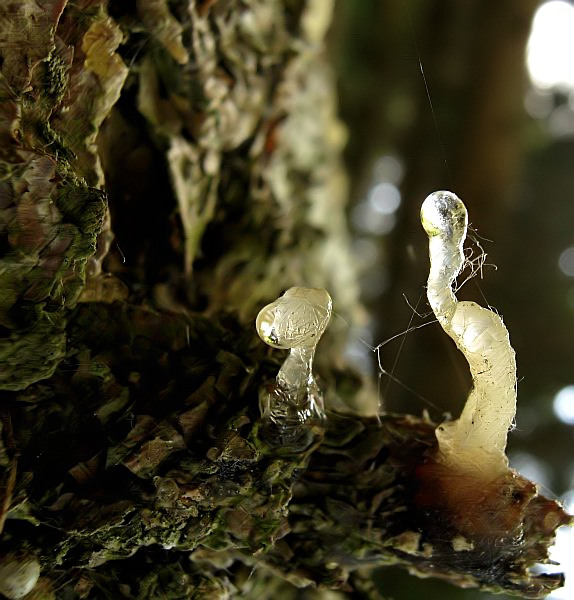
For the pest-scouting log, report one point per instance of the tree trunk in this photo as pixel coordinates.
(135, 462)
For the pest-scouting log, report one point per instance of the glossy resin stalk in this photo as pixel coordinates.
(295, 321)
(477, 440)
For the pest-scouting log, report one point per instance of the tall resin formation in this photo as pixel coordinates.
(295, 322)
(477, 440)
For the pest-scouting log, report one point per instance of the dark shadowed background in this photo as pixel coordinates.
(439, 95)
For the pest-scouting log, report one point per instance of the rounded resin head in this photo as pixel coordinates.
(444, 214)
(295, 320)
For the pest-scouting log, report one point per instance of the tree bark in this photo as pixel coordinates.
(134, 460)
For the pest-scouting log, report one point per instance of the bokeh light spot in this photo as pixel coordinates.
(551, 46)
(564, 405)
(385, 198)
(566, 261)
(388, 168)
(368, 220)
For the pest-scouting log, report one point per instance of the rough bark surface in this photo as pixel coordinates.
(144, 468)
(133, 459)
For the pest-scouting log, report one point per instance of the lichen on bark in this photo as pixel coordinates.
(53, 100)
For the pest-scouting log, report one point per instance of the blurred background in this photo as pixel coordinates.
(477, 97)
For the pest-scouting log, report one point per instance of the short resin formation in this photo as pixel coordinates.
(295, 321)
(477, 440)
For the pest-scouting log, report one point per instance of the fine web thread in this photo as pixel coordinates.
(402, 343)
(427, 90)
(390, 374)
(474, 262)
(391, 378)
